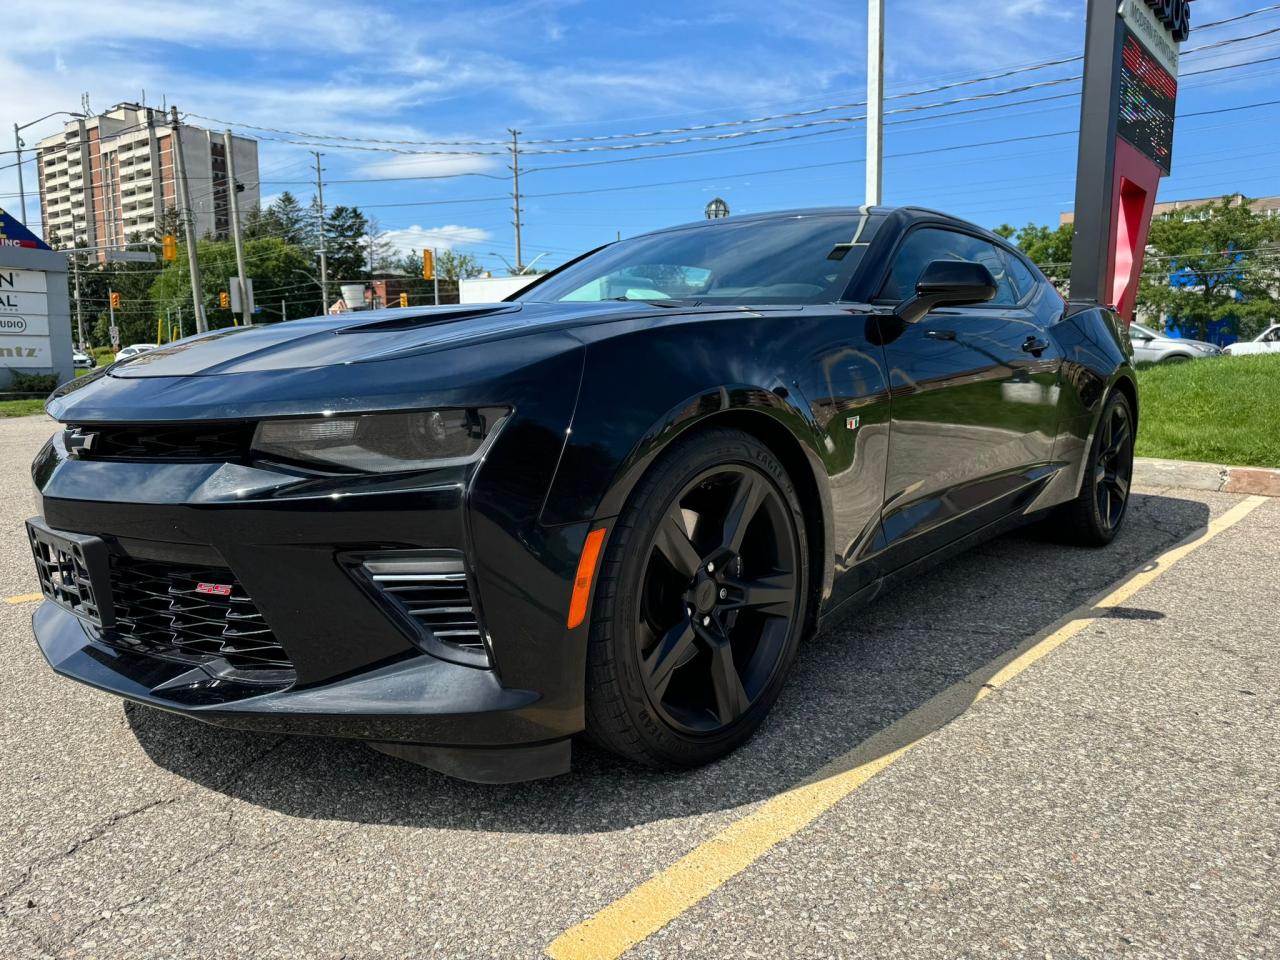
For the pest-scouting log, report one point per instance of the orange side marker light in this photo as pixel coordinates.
(582, 582)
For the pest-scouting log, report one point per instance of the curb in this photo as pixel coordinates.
(1259, 481)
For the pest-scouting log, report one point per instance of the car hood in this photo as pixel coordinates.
(363, 336)
(1180, 342)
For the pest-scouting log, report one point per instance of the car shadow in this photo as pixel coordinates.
(849, 683)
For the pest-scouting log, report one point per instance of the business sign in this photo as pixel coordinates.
(24, 318)
(14, 234)
(1148, 84)
(1127, 115)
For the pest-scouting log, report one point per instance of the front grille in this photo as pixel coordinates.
(190, 613)
(429, 589)
(194, 442)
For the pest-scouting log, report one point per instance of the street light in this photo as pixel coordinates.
(716, 209)
(20, 143)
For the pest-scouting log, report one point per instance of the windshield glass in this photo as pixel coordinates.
(799, 259)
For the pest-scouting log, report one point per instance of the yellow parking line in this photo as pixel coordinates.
(661, 899)
(22, 598)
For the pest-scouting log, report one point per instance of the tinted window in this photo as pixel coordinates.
(782, 260)
(1024, 281)
(927, 244)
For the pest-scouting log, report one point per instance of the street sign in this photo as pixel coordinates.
(237, 305)
(131, 256)
(115, 338)
(24, 318)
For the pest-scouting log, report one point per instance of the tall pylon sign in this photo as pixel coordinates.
(1126, 141)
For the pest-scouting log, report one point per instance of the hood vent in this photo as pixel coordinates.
(411, 321)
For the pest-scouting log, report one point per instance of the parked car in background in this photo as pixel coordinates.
(1268, 341)
(83, 361)
(134, 349)
(1153, 347)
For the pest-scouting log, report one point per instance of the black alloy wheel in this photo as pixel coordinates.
(1095, 516)
(1113, 466)
(718, 599)
(700, 603)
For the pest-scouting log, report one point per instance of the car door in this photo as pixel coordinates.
(973, 398)
(1271, 340)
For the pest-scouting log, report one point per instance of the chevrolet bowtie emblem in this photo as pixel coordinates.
(78, 441)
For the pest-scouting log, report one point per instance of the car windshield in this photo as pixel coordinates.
(795, 259)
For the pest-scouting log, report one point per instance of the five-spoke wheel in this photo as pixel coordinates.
(700, 605)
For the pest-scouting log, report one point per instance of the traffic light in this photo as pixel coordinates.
(428, 265)
(404, 299)
(115, 300)
(224, 300)
(169, 247)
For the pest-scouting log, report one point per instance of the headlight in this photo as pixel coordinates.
(381, 442)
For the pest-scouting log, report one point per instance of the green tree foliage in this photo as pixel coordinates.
(1049, 248)
(1225, 263)
(284, 219)
(273, 264)
(345, 240)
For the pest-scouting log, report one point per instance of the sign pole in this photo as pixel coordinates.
(435, 276)
(875, 102)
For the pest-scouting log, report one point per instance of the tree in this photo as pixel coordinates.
(1214, 262)
(284, 219)
(345, 230)
(454, 265)
(280, 271)
(1050, 249)
(380, 253)
(1005, 230)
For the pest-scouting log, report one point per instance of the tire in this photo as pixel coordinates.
(668, 636)
(1176, 358)
(1097, 513)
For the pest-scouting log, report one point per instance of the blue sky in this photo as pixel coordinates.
(555, 69)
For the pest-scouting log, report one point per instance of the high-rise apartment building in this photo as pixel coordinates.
(108, 177)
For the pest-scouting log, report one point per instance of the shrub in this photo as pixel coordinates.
(32, 382)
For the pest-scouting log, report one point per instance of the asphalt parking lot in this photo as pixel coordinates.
(988, 762)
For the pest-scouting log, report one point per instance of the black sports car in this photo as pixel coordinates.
(614, 504)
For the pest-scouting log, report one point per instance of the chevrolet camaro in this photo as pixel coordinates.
(613, 505)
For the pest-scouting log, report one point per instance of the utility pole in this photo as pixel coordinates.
(324, 258)
(875, 101)
(75, 267)
(17, 142)
(284, 314)
(188, 218)
(246, 308)
(515, 191)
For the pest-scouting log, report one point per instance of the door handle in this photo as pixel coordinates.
(1035, 346)
(940, 334)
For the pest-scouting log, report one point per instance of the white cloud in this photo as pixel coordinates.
(439, 238)
(429, 166)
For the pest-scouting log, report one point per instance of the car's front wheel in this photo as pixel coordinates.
(699, 605)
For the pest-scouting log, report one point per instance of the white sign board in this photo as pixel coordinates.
(24, 319)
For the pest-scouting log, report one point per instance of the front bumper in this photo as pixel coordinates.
(356, 670)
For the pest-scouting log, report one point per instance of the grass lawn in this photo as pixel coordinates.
(1218, 410)
(21, 408)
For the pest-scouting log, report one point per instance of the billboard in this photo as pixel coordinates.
(24, 319)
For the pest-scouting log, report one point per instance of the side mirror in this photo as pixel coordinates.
(954, 282)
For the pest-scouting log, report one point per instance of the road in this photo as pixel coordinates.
(991, 761)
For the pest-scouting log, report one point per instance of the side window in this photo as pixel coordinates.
(927, 244)
(1024, 281)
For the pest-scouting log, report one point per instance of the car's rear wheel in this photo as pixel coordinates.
(1096, 515)
(699, 605)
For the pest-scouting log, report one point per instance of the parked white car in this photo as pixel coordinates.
(1155, 347)
(133, 349)
(1268, 341)
(83, 361)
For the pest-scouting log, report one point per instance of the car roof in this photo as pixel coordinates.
(911, 213)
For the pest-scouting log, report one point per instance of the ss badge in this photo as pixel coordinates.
(852, 423)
